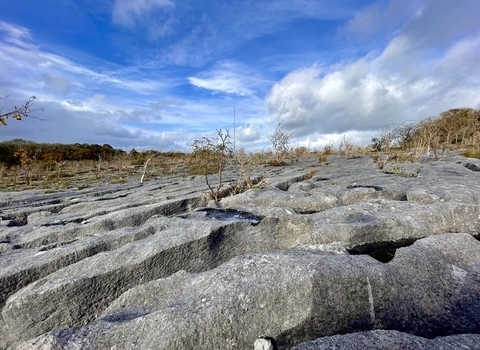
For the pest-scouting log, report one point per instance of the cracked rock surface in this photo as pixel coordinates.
(333, 253)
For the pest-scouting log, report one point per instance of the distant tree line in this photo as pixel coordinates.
(55, 152)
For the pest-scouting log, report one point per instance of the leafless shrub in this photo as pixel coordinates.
(280, 140)
(345, 146)
(245, 163)
(210, 156)
(301, 152)
(384, 142)
(329, 148)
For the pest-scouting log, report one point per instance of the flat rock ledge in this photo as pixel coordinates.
(333, 255)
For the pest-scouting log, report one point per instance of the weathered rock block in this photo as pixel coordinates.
(77, 294)
(148, 266)
(429, 288)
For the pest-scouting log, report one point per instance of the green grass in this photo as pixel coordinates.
(472, 153)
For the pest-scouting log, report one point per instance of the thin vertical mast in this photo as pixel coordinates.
(234, 129)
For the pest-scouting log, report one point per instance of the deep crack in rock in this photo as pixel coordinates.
(323, 250)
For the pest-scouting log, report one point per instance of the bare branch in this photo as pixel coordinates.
(24, 111)
(145, 165)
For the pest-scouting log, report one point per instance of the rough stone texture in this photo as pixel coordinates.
(351, 201)
(144, 266)
(392, 340)
(22, 266)
(191, 245)
(292, 296)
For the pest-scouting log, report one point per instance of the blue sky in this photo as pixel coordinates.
(154, 74)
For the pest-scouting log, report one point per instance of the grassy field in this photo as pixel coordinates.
(27, 165)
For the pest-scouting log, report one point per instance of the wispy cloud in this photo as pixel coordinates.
(142, 86)
(220, 29)
(380, 17)
(131, 12)
(154, 17)
(231, 78)
(17, 35)
(163, 72)
(81, 104)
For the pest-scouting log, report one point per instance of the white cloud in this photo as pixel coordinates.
(137, 86)
(81, 103)
(155, 17)
(247, 133)
(173, 140)
(423, 59)
(222, 27)
(199, 45)
(163, 103)
(18, 56)
(17, 35)
(317, 141)
(75, 121)
(221, 82)
(381, 17)
(440, 22)
(130, 12)
(25, 70)
(428, 23)
(230, 78)
(390, 88)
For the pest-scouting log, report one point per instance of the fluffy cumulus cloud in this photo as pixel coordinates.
(248, 133)
(153, 73)
(415, 76)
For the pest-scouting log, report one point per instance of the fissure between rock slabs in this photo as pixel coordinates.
(319, 179)
(381, 251)
(376, 188)
(472, 167)
(56, 198)
(61, 201)
(231, 215)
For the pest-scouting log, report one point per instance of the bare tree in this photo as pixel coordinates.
(18, 113)
(280, 142)
(405, 135)
(428, 134)
(27, 158)
(210, 156)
